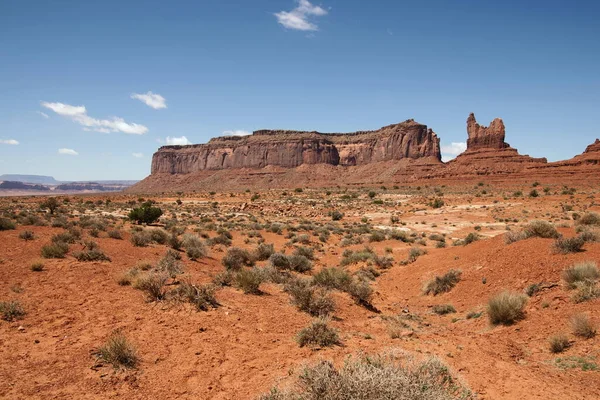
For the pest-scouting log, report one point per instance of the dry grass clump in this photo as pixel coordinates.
(153, 284)
(442, 284)
(26, 235)
(6, 224)
(119, 352)
(236, 258)
(11, 310)
(443, 309)
(558, 343)
(249, 280)
(333, 278)
(581, 272)
(140, 239)
(568, 245)
(589, 218)
(582, 326)
(310, 299)
(37, 266)
(318, 334)
(506, 308)
(194, 248)
(170, 264)
(379, 377)
(115, 234)
(541, 229)
(202, 297)
(263, 251)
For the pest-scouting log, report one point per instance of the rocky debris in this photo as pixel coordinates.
(291, 149)
(490, 137)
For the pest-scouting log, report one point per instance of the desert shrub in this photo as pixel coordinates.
(533, 289)
(91, 253)
(333, 278)
(558, 343)
(368, 273)
(26, 235)
(307, 252)
(194, 247)
(436, 203)
(337, 215)
(115, 234)
(118, 351)
(263, 251)
(541, 229)
(506, 308)
(589, 235)
(375, 377)
(443, 309)
(589, 218)
(414, 253)
(279, 261)
(568, 245)
(158, 235)
(202, 297)
(146, 214)
(140, 239)
(272, 274)
(582, 326)
(236, 258)
(383, 262)
(175, 242)
(318, 334)
(37, 266)
(170, 264)
(580, 273)
(299, 263)
(361, 292)
(64, 237)
(6, 224)
(219, 239)
(512, 236)
(312, 300)
(224, 278)
(153, 284)
(377, 236)
(355, 257)
(401, 236)
(128, 277)
(11, 310)
(442, 284)
(55, 250)
(51, 204)
(470, 238)
(249, 280)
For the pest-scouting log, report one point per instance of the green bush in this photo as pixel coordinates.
(146, 214)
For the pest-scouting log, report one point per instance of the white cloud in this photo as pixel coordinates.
(79, 114)
(43, 114)
(68, 152)
(9, 141)
(237, 133)
(155, 101)
(451, 151)
(137, 155)
(298, 18)
(177, 141)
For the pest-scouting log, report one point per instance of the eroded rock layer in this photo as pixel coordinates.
(290, 149)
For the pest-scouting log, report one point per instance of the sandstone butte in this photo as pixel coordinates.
(400, 153)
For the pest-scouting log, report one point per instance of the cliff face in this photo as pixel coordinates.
(290, 149)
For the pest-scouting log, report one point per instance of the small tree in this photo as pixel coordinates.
(146, 213)
(51, 204)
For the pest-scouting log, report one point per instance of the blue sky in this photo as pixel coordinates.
(69, 72)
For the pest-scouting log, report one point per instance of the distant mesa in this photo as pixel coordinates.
(399, 153)
(38, 179)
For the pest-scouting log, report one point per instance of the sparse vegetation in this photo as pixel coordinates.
(558, 343)
(11, 310)
(506, 308)
(582, 326)
(442, 284)
(318, 333)
(118, 351)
